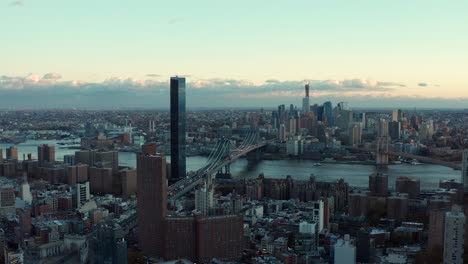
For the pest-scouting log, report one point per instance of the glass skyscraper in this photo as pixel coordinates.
(177, 128)
(328, 113)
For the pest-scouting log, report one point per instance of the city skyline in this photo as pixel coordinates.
(400, 53)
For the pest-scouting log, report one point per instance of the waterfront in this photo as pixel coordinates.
(356, 174)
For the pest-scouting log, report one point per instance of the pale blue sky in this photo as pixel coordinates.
(404, 42)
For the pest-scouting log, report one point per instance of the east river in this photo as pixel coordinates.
(355, 175)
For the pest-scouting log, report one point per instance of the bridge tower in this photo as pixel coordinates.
(226, 147)
(383, 140)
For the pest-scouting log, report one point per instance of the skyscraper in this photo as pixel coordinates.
(328, 113)
(177, 128)
(454, 236)
(465, 169)
(306, 101)
(397, 115)
(151, 188)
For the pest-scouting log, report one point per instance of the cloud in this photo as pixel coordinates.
(52, 75)
(17, 3)
(422, 84)
(50, 90)
(152, 75)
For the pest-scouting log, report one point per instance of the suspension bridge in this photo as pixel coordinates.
(220, 157)
(378, 151)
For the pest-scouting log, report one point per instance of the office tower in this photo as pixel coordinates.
(306, 101)
(454, 236)
(291, 126)
(12, 153)
(177, 128)
(412, 187)
(204, 200)
(343, 106)
(282, 133)
(354, 134)
(360, 118)
(317, 111)
(327, 113)
(45, 154)
(378, 184)
(80, 194)
(344, 251)
(151, 188)
(1, 155)
(382, 143)
(397, 115)
(394, 129)
(465, 169)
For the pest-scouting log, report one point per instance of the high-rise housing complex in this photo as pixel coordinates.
(12, 153)
(454, 236)
(177, 128)
(45, 154)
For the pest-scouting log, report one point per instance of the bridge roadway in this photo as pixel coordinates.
(183, 186)
(411, 156)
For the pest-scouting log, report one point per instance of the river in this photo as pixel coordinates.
(355, 175)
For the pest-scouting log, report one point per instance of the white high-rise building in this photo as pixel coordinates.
(465, 169)
(204, 200)
(318, 214)
(454, 236)
(354, 133)
(80, 194)
(26, 191)
(344, 251)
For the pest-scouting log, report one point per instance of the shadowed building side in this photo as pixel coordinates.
(152, 205)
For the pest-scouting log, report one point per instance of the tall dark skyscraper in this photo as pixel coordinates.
(177, 128)
(328, 112)
(307, 90)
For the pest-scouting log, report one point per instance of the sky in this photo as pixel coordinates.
(244, 53)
